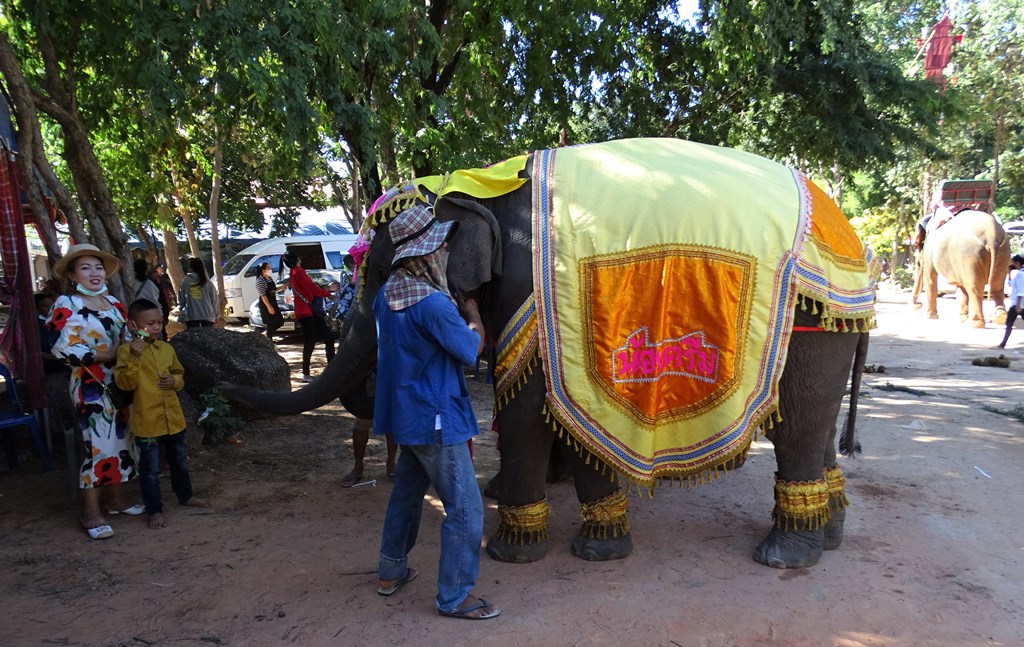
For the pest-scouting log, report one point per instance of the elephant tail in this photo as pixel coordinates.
(848, 445)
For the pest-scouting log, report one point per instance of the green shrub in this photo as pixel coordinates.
(903, 278)
(217, 421)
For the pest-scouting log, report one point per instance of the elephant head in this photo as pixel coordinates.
(475, 259)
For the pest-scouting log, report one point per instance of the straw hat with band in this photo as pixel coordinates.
(110, 262)
(416, 232)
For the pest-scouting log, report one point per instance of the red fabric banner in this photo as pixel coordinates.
(940, 48)
(19, 339)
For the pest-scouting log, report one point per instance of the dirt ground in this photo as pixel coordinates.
(932, 556)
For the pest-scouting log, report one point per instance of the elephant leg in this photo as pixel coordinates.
(836, 497)
(931, 291)
(963, 302)
(999, 318)
(918, 282)
(811, 392)
(526, 438)
(975, 304)
(604, 534)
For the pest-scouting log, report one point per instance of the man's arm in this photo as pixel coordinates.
(470, 311)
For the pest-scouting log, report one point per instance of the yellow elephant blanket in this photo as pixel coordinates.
(666, 274)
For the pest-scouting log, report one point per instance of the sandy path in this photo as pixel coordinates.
(934, 539)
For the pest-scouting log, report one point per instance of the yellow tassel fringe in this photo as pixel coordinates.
(606, 517)
(836, 488)
(526, 524)
(801, 505)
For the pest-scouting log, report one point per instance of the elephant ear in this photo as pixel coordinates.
(475, 250)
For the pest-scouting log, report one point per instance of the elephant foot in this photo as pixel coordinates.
(605, 534)
(1000, 318)
(917, 306)
(522, 536)
(834, 530)
(837, 503)
(977, 324)
(598, 549)
(933, 315)
(802, 510)
(790, 548)
(501, 549)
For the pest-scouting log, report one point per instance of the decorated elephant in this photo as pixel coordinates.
(653, 304)
(969, 249)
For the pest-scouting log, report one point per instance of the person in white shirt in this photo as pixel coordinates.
(1016, 297)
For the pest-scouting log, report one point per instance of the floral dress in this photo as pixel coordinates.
(82, 331)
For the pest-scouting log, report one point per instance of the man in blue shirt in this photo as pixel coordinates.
(423, 402)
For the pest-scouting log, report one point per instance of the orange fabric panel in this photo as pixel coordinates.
(667, 326)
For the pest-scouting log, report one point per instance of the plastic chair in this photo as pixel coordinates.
(13, 415)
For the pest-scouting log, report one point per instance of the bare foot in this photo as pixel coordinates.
(196, 502)
(156, 520)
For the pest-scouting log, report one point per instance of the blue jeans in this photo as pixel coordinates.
(149, 469)
(450, 470)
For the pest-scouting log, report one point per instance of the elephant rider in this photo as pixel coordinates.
(1016, 297)
(423, 402)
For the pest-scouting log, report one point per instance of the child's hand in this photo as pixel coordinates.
(137, 346)
(166, 381)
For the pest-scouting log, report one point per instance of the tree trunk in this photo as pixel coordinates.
(1000, 138)
(59, 102)
(218, 155)
(28, 136)
(358, 205)
(369, 174)
(173, 259)
(186, 215)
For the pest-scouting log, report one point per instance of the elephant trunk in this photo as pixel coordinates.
(355, 358)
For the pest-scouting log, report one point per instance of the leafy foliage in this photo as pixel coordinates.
(312, 102)
(217, 420)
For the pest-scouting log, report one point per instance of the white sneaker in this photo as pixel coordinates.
(306, 377)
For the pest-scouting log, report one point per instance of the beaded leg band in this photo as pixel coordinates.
(527, 524)
(606, 517)
(801, 505)
(836, 488)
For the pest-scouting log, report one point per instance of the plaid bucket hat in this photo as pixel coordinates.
(416, 232)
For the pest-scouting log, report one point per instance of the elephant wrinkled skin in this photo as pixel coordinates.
(491, 261)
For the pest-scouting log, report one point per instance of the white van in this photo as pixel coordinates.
(316, 252)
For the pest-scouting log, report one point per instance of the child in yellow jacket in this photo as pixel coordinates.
(150, 367)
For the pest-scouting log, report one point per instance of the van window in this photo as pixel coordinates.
(312, 255)
(237, 262)
(336, 259)
(273, 259)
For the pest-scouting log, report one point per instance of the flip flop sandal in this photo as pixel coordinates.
(351, 479)
(391, 589)
(100, 532)
(133, 511)
(467, 613)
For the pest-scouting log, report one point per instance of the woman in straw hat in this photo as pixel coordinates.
(90, 326)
